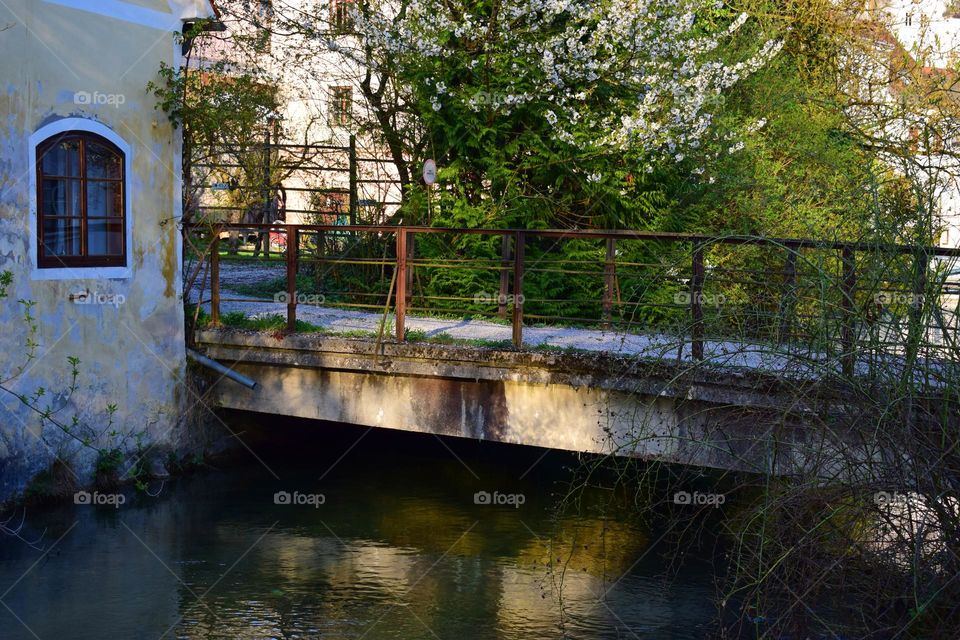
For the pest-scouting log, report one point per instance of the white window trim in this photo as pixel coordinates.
(80, 273)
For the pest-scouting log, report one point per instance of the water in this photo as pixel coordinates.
(398, 549)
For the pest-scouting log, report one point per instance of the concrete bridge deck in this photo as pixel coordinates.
(588, 402)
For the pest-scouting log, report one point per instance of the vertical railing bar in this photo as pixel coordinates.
(401, 270)
(696, 300)
(263, 238)
(504, 276)
(215, 278)
(411, 251)
(519, 250)
(918, 331)
(787, 299)
(848, 285)
(293, 249)
(352, 150)
(609, 279)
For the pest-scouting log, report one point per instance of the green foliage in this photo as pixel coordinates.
(800, 175)
(108, 462)
(417, 335)
(221, 112)
(6, 279)
(55, 483)
(214, 105)
(276, 322)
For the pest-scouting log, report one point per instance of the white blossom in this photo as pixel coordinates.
(660, 65)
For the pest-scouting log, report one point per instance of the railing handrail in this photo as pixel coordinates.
(622, 234)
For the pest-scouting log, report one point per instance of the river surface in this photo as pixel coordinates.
(350, 533)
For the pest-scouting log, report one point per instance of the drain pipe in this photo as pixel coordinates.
(219, 368)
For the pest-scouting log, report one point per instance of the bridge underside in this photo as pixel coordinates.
(594, 403)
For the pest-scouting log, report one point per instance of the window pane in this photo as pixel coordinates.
(340, 15)
(61, 198)
(61, 236)
(102, 162)
(341, 105)
(62, 159)
(104, 237)
(103, 198)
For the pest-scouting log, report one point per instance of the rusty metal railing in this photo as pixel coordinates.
(786, 290)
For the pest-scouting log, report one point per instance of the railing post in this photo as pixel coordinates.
(504, 276)
(696, 299)
(353, 179)
(847, 308)
(788, 298)
(609, 280)
(293, 249)
(519, 241)
(215, 278)
(401, 277)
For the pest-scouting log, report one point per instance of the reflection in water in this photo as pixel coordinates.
(398, 549)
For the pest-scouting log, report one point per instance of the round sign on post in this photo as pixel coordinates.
(429, 171)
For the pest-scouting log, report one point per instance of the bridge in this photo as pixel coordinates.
(713, 351)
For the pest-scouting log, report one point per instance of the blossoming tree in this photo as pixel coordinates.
(538, 108)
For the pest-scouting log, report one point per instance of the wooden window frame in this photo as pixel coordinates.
(340, 20)
(341, 115)
(45, 261)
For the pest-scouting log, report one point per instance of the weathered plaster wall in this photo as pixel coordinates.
(132, 354)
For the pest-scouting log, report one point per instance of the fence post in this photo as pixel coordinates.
(847, 308)
(696, 298)
(609, 279)
(293, 248)
(504, 276)
(401, 277)
(788, 298)
(353, 179)
(215, 278)
(518, 251)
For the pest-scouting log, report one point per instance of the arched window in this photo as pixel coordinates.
(80, 202)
